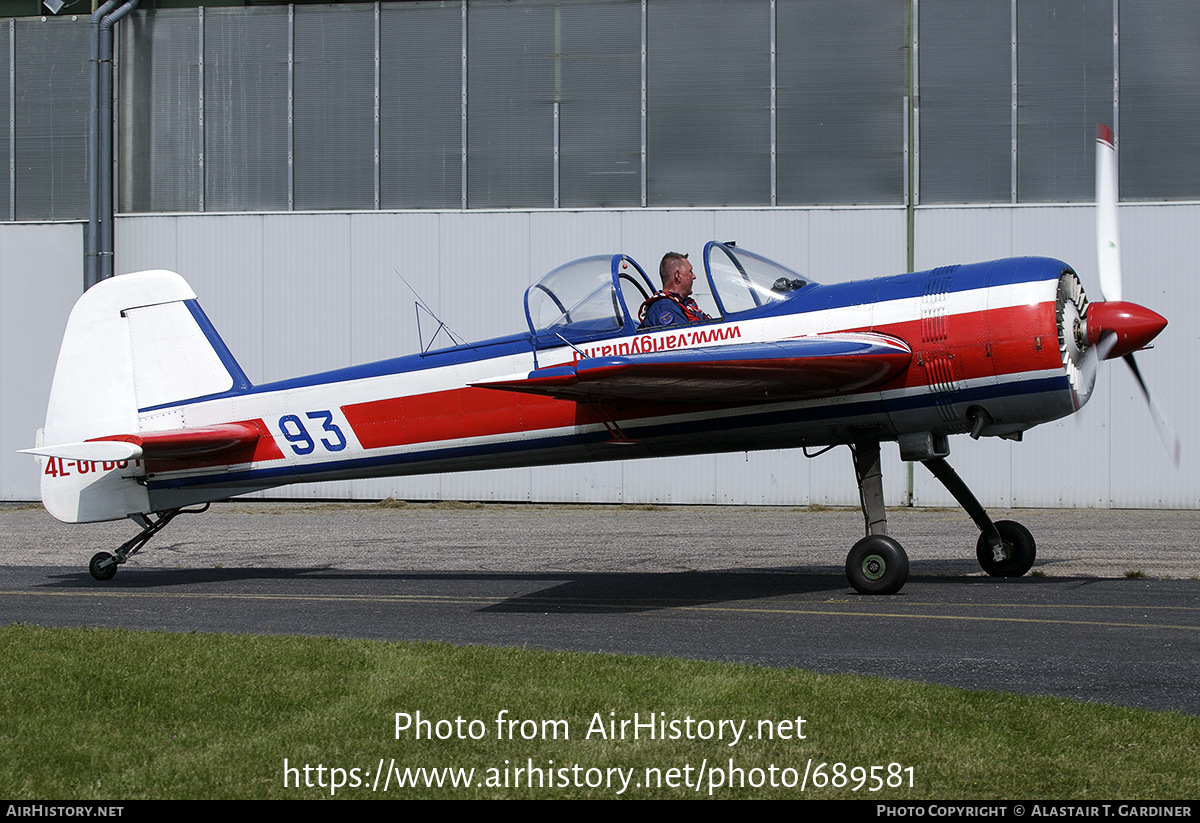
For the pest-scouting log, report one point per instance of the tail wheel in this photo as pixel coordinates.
(877, 565)
(103, 566)
(1017, 553)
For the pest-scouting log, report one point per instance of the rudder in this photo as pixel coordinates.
(133, 342)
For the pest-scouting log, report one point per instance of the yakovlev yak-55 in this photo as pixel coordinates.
(989, 349)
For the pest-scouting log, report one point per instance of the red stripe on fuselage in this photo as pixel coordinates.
(990, 343)
(458, 413)
(975, 345)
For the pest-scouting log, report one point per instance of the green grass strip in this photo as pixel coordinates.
(108, 715)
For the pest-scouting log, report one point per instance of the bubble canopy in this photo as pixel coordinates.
(742, 280)
(586, 299)
(598, 297)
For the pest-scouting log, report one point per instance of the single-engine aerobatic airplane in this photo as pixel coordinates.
(989, 349)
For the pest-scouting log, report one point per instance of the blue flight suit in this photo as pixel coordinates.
(669, 309)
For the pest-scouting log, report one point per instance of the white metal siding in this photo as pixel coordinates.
(292, 294)
(41, 275)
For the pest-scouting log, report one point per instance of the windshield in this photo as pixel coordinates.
(585, 299)
(742, 280)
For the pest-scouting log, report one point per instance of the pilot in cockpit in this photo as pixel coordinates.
(673, 304)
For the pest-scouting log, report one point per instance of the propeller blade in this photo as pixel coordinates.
(1165, 431)
(1108, 248)
(1117, 329)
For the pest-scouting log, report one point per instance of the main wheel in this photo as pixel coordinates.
(1019, 551)
(103, 566)
(877, 565)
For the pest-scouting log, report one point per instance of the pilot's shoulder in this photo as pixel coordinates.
(661, 310)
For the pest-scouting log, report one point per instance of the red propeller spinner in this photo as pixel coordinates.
(1132, 326)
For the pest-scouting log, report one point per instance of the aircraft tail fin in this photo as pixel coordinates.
(133, 343)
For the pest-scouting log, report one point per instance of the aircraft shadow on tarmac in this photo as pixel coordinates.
(563, 592)
(615, 592)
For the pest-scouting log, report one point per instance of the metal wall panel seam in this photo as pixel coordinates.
(200, 110)
(291, 113)
(557, 98)
(773, 127)
(1116, 108)
(643, 103)
(554, 152)
(12, 119)
(376, 104)
(1013, 126)
(904, 183)
(463, 148)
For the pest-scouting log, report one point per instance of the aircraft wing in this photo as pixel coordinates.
(800, 368)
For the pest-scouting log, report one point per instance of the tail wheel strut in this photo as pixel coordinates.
(103, 566)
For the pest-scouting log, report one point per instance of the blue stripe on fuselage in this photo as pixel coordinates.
(914, 284)
(809, 299)
(820, 414)
(498, 347)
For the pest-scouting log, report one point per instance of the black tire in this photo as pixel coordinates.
(1020, 551)
(103, 566)
(877, 565)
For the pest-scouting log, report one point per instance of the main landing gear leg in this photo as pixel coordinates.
(1005, 548)
(877, 564)
(103, 565)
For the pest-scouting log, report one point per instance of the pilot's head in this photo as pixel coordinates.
(676, 273)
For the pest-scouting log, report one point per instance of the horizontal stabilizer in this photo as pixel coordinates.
(179, 444)
(209, 441)
(802, 368)
(105, 450)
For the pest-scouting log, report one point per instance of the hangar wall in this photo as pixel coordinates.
(298, 293)
(1109, 455)
(41, 275)
(293, 294)
(1003, 100)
